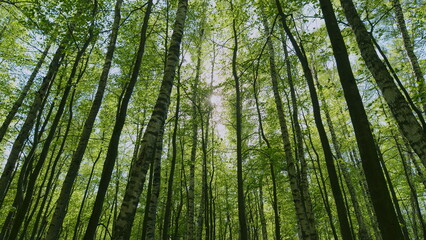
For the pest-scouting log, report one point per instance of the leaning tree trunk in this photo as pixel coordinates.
(398, 105)
(11, 114)
(112, 152)
(124, 221)
(335, 187)
(155, 191)
(409, 48)
(363, 232)
(25, 130)
(304, 225)
(65, 195)
(383, 206)
(21, 212)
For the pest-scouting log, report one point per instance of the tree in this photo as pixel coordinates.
(382, 202)
(124, 221)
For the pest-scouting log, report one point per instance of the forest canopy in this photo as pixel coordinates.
(212, 119)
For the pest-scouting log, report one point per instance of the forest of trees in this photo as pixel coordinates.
(212, 119)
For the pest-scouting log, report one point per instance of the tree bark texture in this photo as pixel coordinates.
(383, 206)
(124, 221)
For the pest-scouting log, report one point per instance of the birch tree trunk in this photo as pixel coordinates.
(398, 105)
(307, 231)
(116, 132)
(409, 48)
(124, 221)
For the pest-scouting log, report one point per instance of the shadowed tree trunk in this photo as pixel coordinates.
(241, 200)
(24, 132)
(11, 114)
(124, 221)
(409, 48)
(383, 206)
(168, 207)
(363, 232)
(66, 190)
(116, 132)
(398, 105)
(334, 182)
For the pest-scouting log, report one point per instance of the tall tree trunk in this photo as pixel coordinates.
(262, 213)
(65, 195)
(335, 187)
(300, 153)
(11, 114)
(409, 48)
(48, 141)
(363, 232)
(398, 105)
(116, 132)
(83, 201)
(190, 233)
(168, 210)
(25, 130)
(303, 223)
(385, 212)
(190, 194)
(155, 191)
(277, 228)
(124, 221)
(238, 105)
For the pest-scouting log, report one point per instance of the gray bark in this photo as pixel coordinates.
(124, 221)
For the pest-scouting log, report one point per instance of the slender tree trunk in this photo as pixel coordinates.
(124, 221)
(320, 179)
(52, 168)
(118, 127)
(335, 187)
(401, 219)
(299, 143)
(363, 232)
(413, 191)
(277, 229)
(11, 114)
(409, 48)
(168, 210)
(83, 201)
(380, 197)
(241, 199)
(399, 107)
(21, 212)
(262, 213)
(190, 233)
(190, 194)
(155, 192)
(304, 226)
(25, 130)
(65, 195)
